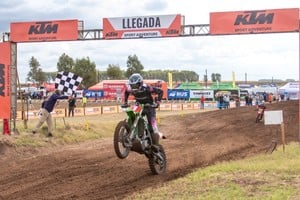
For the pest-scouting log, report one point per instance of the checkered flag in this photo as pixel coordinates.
(67, 82)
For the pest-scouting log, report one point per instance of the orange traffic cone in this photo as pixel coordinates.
(5, 127)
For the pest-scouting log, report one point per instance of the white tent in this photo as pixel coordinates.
(290, 90)
(264, 88)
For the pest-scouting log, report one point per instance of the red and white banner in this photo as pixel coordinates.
(142, 27)
(5, 92)
(44, 31)
(255, 21)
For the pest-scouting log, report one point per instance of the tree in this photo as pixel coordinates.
(87, 70)
(114, 72)
(133, 66)
(218, 77)
(101, 75)
(65, 63)
(156, 74)
(205, 79)
(50, 76)
(35, 73)
(213, 77)
(40, 76)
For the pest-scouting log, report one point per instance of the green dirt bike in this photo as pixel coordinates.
(132, 134)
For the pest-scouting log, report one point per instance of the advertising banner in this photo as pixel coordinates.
(93, 94)
(178, 94)
(44, 31)
(255, 21)
(5, 92)
(196, 94)
(142, 27)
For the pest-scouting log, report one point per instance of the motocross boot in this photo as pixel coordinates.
(155, 140)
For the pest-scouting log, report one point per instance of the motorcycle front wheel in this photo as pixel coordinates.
(158, 161)
(121, 139)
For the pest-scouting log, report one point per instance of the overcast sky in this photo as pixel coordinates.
(259, 56)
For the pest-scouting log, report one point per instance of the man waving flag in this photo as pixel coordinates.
(67, 82)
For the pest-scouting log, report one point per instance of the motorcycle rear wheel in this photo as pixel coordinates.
(258, 118)
(158, 161)
(121, 137)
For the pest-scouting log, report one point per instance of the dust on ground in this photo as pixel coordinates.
(91, 170)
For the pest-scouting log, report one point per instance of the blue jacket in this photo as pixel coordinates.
(51, 101)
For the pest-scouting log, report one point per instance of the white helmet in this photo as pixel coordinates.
(135, 81)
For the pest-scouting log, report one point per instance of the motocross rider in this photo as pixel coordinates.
(143, 94)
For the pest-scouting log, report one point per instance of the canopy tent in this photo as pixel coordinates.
(223, 86)
(189, 86)
(290, 90)
(49, 86)
(103, 84)
(100, 85)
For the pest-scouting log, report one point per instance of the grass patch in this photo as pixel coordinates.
(73, 129)
(266, 176)
(67, 131)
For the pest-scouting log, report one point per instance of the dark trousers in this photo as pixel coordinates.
(71, 111)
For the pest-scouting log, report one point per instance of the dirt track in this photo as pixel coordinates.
(91, 170)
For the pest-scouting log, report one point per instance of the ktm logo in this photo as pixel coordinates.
(2, 80)
(42, 28)
(254, 17)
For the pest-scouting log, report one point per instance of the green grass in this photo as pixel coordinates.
(266, 176)
(73, 129)
(67, 131)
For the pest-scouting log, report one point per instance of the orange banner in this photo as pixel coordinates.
(142, 27)
(44, 31)
(256, 21)
(5, 49)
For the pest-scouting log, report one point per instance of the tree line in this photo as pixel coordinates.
(86, 68)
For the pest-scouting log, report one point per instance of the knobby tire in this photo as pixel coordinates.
(121, 131)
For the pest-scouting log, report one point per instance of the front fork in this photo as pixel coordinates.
(132, 134)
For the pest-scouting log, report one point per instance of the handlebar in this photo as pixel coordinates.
(125, 106)
(154, 105)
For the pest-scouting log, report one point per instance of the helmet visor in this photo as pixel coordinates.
(135, 86)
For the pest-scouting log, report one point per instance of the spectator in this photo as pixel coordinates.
(247, 100)
(202, 100)
(270, 98)
(220, 101)
(250, 100)
(237, 102)
(72, 105)
(257, 99)
(226, 101)
(96, 96)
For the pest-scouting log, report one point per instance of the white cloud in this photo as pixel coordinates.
(259, 55)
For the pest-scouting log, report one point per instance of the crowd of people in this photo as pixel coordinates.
(223, 100)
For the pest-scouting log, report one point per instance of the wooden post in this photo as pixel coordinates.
(283, 136)
(64, 122)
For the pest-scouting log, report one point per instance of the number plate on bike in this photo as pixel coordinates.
(137, 108)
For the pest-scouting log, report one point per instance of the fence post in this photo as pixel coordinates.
(6, 130)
